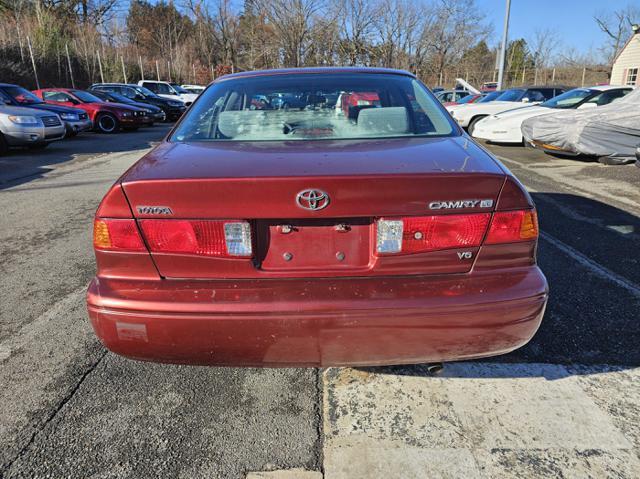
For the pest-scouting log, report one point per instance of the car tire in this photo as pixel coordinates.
(607, 160)
(4, 147)
(472, 124)
(107, 123)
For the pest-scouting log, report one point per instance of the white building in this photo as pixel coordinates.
(626, 66)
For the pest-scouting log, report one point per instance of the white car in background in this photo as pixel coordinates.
(196, 89)
(171, 91)
(506, 127)
(470, 115)
(491, 96)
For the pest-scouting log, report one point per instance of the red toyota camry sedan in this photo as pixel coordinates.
(260, 235)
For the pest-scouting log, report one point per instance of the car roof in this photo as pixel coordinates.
(529, 87)
(314, 70)
(609, 87)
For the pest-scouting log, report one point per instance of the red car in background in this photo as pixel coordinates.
(472, 98)
(304, 237)
(351, 103)
(106, 117)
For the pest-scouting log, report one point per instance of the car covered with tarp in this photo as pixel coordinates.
(611, 132)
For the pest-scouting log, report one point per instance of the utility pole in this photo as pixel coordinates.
(503, 47)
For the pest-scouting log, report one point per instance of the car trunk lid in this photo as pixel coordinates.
(355, 184)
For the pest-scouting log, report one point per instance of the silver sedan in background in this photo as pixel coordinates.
(28, 127)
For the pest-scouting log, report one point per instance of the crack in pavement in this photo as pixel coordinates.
(53, 414)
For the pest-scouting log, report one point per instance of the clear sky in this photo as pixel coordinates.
(571, 19)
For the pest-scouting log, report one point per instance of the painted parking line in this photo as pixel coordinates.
(481, 420)
(591, 265)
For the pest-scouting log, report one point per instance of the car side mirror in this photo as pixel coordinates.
(526, 100)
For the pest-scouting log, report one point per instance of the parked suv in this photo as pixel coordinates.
(30, 127)
(173, 109)
(106, 117)
(75, 120)
(170, 91)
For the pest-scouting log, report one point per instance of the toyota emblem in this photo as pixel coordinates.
(313, 200)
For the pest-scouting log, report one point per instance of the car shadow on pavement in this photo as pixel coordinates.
(21, 166)
(589, 253)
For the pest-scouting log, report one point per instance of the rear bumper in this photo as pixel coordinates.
(321, 322)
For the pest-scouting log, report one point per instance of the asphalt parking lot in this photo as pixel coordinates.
(565, 405)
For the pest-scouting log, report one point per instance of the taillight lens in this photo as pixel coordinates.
(513, 226)
(117, 235)
(201, 237)
(430, 233)
(421, 234)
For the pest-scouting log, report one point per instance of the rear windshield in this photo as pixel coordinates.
(314, 106)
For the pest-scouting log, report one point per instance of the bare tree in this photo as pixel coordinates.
(617, 28)
(452, 27)
(292, 21)
(357, 28)
(543, 45)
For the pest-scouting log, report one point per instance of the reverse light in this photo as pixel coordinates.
(389, 236)
(117, 235)
(201, 237)
(513, 226)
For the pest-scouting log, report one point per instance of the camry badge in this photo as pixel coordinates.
(450, 205)
(313, 200)
(154, 210)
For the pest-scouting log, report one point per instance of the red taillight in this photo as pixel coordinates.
(431, 233)
(513, 226)
(230, 239)
(117, 235)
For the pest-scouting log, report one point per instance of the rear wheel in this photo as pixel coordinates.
(107, 123)
(3, 145)
(474, 122)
